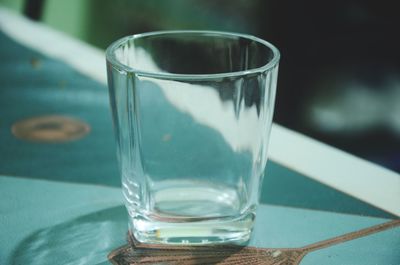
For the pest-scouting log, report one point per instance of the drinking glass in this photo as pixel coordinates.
(192, 113)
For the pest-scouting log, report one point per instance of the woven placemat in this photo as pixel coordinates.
(137, 253)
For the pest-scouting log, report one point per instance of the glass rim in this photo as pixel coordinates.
(110, 57)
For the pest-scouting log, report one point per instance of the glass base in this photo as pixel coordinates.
(232, 230)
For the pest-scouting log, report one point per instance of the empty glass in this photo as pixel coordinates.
(192, 113)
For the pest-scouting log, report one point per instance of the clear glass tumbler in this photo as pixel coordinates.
(192, 113)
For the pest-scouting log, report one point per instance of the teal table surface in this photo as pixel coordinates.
(60, 203)
(48, 222)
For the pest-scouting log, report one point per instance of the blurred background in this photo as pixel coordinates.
(339, 79)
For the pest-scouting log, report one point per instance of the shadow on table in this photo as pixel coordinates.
(83, 240)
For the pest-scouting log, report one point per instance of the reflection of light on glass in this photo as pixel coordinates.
(137, 58)
(242, 132)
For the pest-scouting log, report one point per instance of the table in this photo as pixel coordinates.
(61, 202)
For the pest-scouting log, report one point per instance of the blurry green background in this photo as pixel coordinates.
(69, 16)
(339, 79)
(98, 22)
